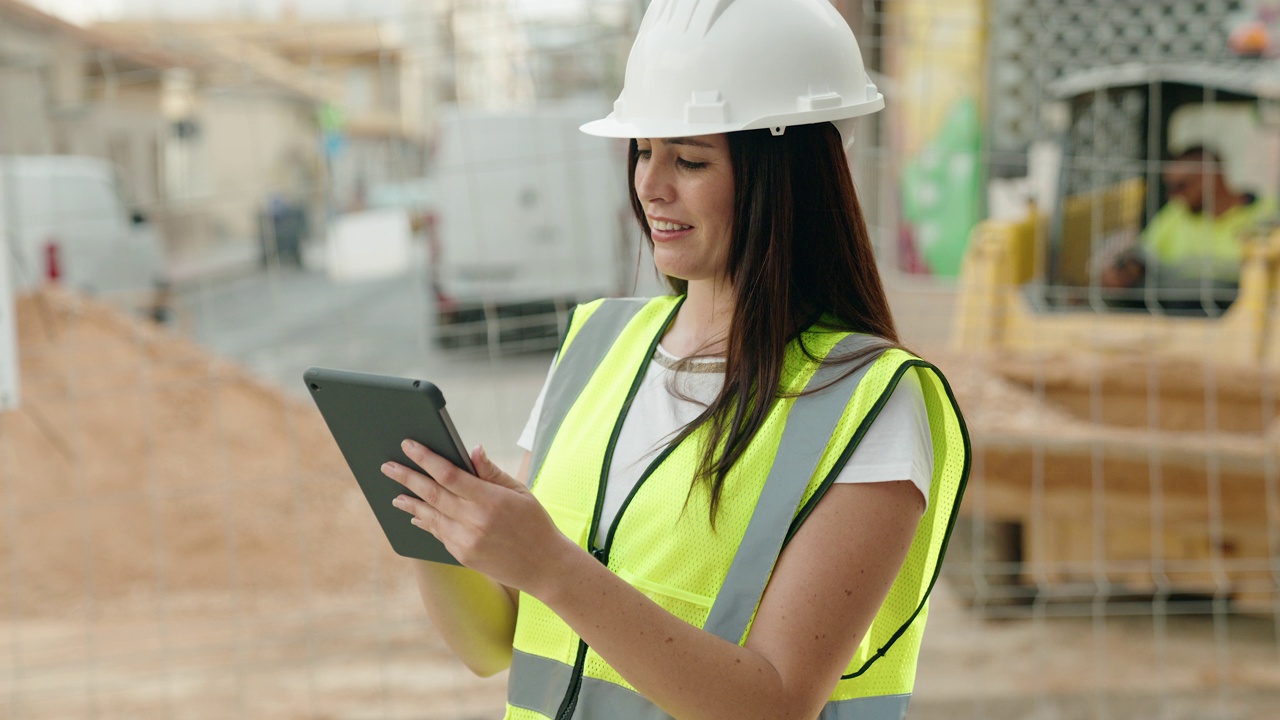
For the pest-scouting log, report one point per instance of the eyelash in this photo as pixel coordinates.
(686, 164)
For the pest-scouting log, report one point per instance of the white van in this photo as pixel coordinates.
(530, 216)
(64, 221)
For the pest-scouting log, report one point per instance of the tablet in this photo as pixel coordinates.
(369, 415)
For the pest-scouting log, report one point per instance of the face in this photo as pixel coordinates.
(685, 186)
(1186, 180)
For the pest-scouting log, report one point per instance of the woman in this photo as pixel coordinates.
(694, 546)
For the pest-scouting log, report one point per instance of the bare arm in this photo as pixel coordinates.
(474, 614)
(825, 590)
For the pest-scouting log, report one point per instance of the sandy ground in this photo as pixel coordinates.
(373, 656)
(161, 557)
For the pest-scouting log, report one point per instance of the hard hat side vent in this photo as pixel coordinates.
(821, 101)
(707, 106)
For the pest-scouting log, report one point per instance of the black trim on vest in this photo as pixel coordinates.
(617, 428)
(565, 335)
(955, 507)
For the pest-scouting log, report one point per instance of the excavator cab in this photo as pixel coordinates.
(1116, 128)
(1124, 124)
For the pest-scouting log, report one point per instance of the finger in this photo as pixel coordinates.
(449, 476)
(421, 514)
(487, 471)
(423, 486)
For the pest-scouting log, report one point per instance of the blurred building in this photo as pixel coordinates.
(297, 112)
(496, 56)
(65, 89)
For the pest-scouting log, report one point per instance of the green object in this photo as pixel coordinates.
(330, 118)
(942, 190)
(1196, 245)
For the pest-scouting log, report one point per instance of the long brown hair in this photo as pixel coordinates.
(800, 256)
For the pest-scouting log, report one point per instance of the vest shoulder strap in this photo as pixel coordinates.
(592, 330)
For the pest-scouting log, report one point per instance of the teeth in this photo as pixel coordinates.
(667, 226)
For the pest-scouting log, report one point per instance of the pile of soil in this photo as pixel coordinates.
(141, 468)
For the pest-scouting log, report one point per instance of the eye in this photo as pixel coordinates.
(689, 164)
(643, 153)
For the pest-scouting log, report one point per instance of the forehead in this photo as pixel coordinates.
(701, 141)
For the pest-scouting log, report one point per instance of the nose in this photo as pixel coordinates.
(653, 181)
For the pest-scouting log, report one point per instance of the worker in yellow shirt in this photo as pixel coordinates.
(1195, 242)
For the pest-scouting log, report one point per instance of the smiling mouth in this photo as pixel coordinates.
(667, 226)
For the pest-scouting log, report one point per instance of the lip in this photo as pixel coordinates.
(666, 235)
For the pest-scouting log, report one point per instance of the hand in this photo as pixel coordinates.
(489, 521)
(1125, 272)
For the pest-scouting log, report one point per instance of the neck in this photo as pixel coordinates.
(702, 324)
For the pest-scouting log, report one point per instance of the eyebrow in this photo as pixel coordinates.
(687, 141)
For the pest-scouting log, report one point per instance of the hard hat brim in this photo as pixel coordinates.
(611, 127)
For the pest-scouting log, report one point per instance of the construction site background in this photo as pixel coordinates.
(180, 537)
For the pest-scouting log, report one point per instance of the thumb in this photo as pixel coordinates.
(487, 471)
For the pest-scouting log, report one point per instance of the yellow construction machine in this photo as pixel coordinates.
(1124, 453)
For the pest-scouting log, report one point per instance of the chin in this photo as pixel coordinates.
(678, 273)
(673, 267)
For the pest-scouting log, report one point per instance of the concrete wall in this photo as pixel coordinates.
(123, 125)
(24, 63)
(257, 145)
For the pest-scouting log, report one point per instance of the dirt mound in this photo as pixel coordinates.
(141, 467)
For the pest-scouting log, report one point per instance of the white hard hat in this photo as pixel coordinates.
(700, 67)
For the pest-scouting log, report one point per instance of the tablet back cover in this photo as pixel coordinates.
(369, 415)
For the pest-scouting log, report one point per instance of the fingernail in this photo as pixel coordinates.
(388, 467)
(483, 454)
(398, 501)
(408, 444)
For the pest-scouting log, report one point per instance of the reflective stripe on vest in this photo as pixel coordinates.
(538, 683)
(809, 427)
(574, 369)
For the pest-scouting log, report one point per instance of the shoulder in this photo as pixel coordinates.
(584, 311)
(604, 319)
(1172, 212)
(1264, 205)
(1165, 222)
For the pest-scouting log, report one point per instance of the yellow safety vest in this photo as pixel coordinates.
(714, 579)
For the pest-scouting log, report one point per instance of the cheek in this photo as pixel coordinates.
(720, 202)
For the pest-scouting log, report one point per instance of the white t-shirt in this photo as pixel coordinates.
(897, 446)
